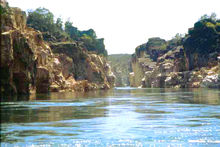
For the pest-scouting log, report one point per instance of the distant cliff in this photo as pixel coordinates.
(121, 66)
(189, 61)
(29, 63)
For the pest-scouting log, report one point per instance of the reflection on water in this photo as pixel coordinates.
(122, 116)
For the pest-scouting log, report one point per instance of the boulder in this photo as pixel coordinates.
(211, 81)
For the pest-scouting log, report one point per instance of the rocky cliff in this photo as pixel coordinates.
(192, 61)
(144, 59)
(28, 63)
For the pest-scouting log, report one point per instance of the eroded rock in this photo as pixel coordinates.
(28, 63)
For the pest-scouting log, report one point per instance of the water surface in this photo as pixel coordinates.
(118, 117)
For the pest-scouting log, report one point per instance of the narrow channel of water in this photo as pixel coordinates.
(118, 117)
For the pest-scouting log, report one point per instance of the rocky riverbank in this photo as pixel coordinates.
(191, 61)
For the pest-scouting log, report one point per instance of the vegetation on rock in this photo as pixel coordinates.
(204, 37)
(121, 66)
(189, 60)
(53, 30)
(32, 61)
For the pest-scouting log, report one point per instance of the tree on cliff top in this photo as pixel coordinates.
(204, 37)
(211, 17)
(43, 20)
(88, 37)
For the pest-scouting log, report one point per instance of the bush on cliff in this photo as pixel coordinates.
(88, 37)
(4, 10)
(204, 37)
(43, 20)
(154, 44)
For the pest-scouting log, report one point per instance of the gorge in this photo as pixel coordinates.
(61, 87)
(58, 60)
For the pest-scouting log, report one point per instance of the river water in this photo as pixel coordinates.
(118, 117)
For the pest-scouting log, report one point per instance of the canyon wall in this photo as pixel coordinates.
(30, 64)
(174, 64)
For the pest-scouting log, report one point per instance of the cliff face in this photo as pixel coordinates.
(28, 63)
(144, 59)
(175, 67)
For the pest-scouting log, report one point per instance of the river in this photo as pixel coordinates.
(118, 117)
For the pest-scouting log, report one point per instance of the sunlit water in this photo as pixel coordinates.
(118, 117)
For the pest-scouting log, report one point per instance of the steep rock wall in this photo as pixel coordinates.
(176, 68)
(28, 63)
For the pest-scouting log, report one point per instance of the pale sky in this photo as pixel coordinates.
(125, 24)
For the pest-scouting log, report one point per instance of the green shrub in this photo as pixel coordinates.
(43, 20)
(203, 37)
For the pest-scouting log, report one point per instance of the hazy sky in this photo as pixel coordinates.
(125, 24)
